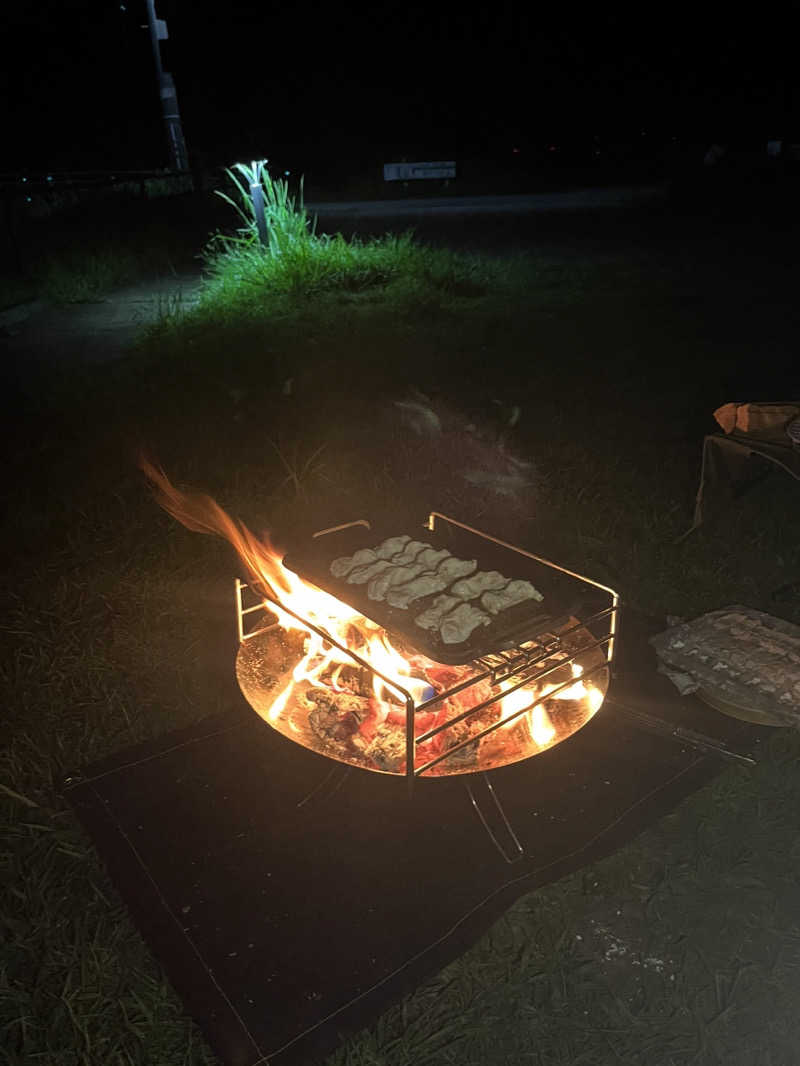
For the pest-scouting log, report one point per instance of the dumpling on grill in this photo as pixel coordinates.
(484, 581)
(341, 567)
(409, 553)
(395, 575)
(515, 592)
(391, 546)
(459, 623)
(424, 585)
(431, 558)
(362, 574)
(432, 617)
(453, 568)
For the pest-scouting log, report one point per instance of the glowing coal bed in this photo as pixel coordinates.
(308, 691)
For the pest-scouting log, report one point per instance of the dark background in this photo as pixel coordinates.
(341, 88)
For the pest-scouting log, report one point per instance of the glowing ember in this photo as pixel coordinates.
(324, 698)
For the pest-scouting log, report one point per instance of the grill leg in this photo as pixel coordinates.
(494, 820)
(327, 787)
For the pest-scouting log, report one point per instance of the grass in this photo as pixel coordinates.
(334, 264)
(85, 273)
(85, 277)
(87, 248)
(276, 394)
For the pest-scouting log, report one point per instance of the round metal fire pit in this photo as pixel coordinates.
(353, 727)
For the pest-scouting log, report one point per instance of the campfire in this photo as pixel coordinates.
(465, 718)
(330, 676)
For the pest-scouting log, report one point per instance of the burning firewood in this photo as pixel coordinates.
(388, 748)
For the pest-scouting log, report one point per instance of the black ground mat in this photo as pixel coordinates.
(290, 902)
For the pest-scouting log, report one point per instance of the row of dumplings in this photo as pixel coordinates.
(401, 570)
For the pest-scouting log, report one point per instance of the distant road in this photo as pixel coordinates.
(574, 200)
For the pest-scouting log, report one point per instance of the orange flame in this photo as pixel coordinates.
(201, 513)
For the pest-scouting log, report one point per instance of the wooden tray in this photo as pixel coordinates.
(737, 710)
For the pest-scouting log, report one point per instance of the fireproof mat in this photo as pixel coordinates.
(290, 906)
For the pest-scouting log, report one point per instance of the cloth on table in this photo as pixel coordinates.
(760, 430)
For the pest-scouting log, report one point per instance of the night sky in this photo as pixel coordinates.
(309, 84)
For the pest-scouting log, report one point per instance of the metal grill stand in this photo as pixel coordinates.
(530, 662)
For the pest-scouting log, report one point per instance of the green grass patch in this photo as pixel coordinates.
(277, 252)
(89, 272)
(84, 277)
(85, 251)
(240, 274)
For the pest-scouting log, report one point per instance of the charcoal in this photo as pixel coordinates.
(336, 716)
(466, 756)
(342, 702)
(388, 749)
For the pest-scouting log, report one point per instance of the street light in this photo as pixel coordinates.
(166, 90)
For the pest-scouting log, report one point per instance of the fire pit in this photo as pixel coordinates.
(412, 657)
(328, 677)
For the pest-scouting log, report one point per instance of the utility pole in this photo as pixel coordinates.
(179, 158)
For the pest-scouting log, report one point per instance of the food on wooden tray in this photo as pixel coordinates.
(459, 623)
(395, 575)
(362, 574)
(391, 546)
(432, 617)
(484, 581)
(342, 567)
(424, 585)
(515, 592)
